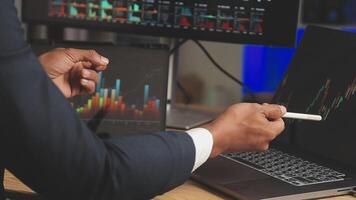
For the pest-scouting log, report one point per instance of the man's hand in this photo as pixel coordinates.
(246, 127)
(74, 71)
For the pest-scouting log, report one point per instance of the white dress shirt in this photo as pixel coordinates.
(203, 142)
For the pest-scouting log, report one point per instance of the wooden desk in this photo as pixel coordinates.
(188, 191)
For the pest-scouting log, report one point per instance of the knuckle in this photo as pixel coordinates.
(260, 142)
(255, 106)
(68, 50)
(270, 135)
(70, 53)
(59, 49)
(92, 52)
(282, 125)
(264, 147)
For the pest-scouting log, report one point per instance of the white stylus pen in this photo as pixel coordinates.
(291, 115)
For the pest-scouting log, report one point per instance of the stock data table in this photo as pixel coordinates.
(246, 17)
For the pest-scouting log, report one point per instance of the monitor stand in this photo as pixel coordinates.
(183, 117)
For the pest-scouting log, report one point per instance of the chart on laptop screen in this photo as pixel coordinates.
(322, 80)
(325, 101)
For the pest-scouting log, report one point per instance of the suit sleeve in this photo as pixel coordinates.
(51, 150)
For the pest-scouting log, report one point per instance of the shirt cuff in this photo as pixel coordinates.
(203, 142)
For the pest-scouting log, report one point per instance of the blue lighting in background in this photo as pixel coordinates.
(264, 67)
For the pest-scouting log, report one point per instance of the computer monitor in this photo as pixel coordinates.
(130, 97)
(267, 22)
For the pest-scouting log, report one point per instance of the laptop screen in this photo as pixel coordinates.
(322, 80)
(130, 97)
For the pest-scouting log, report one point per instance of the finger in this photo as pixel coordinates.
(101, 68)
(89, 86)
(92, 56)
(275, 128)
(273, 112)
(87, 64)
(90, 75)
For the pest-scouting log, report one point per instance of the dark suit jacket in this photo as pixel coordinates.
(46, 145)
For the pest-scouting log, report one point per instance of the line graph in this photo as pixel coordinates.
(325, 103)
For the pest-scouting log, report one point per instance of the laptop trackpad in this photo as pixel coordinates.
(223, 171)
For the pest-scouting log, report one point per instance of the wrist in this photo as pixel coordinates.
(219, 143)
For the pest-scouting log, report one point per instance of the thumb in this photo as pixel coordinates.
(273, 112)
(76, 55)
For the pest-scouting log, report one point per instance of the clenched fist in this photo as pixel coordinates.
(73, 71)
(246, 127)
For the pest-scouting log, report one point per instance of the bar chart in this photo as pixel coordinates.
(113, 104)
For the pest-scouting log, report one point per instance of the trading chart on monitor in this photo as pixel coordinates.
(111, 101)
(322, 80)
(272, 22)
(130, 96)
(243, 18)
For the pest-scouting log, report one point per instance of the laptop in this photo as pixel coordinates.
(184, 117)
(130, 97)
(310, 159)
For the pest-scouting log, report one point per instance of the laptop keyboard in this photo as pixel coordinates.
(287, 168)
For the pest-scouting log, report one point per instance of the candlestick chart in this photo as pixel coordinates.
(328, 102)
(324, 101)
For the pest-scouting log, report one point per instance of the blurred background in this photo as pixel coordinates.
(261, 68)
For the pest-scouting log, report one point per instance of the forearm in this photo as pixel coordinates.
(46, 143)
(50, 149)
(160, 163)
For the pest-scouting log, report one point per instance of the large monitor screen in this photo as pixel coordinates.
(130, 96)
(322, 80)
(268, 22)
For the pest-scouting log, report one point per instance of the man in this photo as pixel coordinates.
(46, 145)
